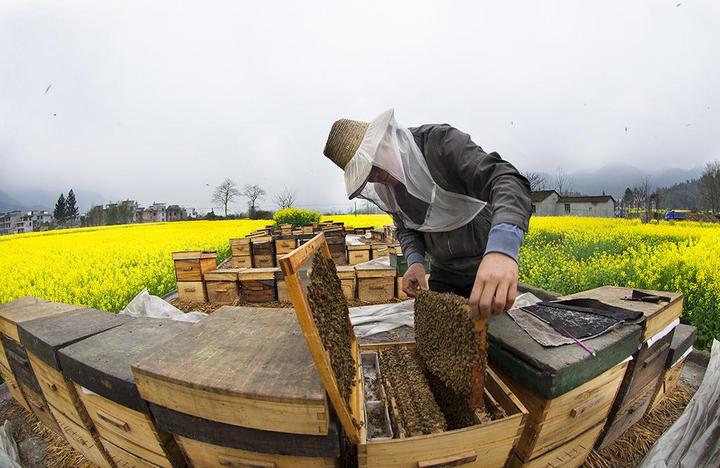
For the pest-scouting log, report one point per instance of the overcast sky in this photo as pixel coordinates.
(154, 100)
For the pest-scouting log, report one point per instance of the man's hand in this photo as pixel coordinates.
(495, 286)
(414, 279)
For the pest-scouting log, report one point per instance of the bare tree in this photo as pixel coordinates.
(536, 179)
(225, 193)
(285, 199)
(563, 185)
(710, 186)
(253, 193)
(643, 198)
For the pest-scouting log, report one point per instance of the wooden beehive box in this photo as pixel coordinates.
(99, 367)
(43, 338)
(223, 286)
(263, 252)
(192, 265)
(643, 374)
(375, 282)
(241, 261)
(348, 281)
(15, 358)
(358, 253)
(566, 390)
(285, 244)
(680, 347)
(240, 247)
(487, 445)
(239, 388)
(380, 250)
(258, 284)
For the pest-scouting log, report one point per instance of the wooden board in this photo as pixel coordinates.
(571, 454)
(82, 440)
(223, 292)
(204, 454)
(648, 365)
(657, 316)
(39, 407)
(551, 372)
(380, 289)
(20, 365)
(249, 367)
(226, 274)
(193, 269)
(626, 416)
(349, 412)
(668, 382)
(552, 423)
(129, 429)
(283, 294)
(243, 438)
(43, 337)
(26, 309)
(13, 387)
(101, 363)
(123, 458)
(683, 338)
(194, 254)
(192, 291)
(485, 445)
(258, 274)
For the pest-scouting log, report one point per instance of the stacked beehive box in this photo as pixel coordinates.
(643, 374)
(190, 268)
(336, 243)
(263, 252)
(99, 367)
(43, 338)
(259, 284)
(358, 251)
(222, 285)
(15, 365)
(348, 281)
(285, 244)
(567, 391)
(375, 281)
(241, 253)
(239, 389)
(680, 347)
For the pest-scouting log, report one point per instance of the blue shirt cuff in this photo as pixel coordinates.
(415, 258)
(505, 238)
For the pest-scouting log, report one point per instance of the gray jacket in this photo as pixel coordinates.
(459, 165)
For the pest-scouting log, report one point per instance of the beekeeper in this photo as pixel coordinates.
(465, 209)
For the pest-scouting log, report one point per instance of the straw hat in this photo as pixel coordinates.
(344, 140)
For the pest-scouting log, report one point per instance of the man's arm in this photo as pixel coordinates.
(413, 247)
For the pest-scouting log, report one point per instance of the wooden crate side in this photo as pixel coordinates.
(3, 357)
(123, 458)
(13, 386)
(349, 287)
(309, 418)
(663, 319)
(40, 408)
(60, 393)
(553, 422)
(204, 454)
(241, 261)
(191, 291)
(263, 261)
(626, 416)
(223, 292)
(572, 454)
(82, 440)
(376, 289)
(358, 256)
(668, 382)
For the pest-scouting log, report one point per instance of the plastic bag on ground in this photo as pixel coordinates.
(9, 456)
(146, 305)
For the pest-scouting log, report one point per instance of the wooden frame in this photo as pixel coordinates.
(350, 412)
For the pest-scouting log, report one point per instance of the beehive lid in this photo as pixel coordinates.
(245, 353)
(258, 238)
(193, 254)
(350, 412)
(25, 309)
(240, 241)
(376, 268)
(45, 336)
(258, 274)
(345, 271)
(101, 363)
(657, 316)
(226, 274)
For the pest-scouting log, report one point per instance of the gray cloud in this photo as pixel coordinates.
(152, 100)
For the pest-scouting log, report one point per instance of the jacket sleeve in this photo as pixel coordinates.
(412, 242)
(487, 177)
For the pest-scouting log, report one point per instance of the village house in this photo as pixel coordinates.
(175, 213)
(18, 222)
(550, 203)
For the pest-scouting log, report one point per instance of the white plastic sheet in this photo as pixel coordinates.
(9, 456)
(372, 319)
(146, 305)
(693, 441)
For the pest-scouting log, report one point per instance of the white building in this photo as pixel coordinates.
(18, 222)
(550, 203)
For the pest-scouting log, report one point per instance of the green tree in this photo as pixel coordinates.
(60, 212)
(71, 209)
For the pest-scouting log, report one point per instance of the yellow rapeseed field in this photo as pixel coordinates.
(105, 267)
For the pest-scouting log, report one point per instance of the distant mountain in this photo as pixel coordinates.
(614, 178)
(41, 199)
